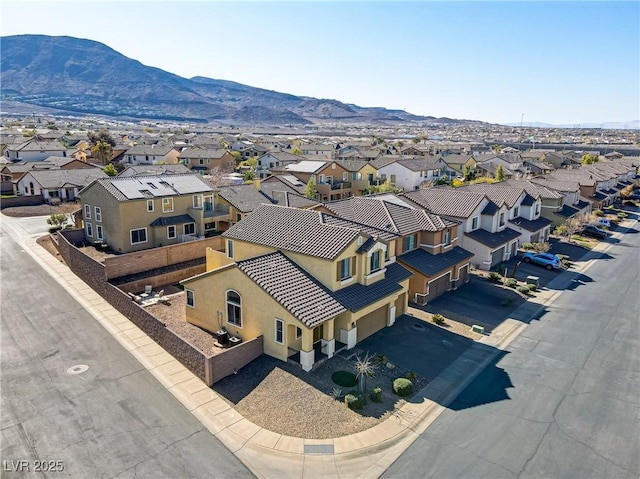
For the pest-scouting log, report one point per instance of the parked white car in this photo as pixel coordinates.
(604, 222)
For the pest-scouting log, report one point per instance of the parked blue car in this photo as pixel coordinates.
(548, 260)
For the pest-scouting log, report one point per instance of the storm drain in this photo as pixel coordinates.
(77, 369)
(318, 448)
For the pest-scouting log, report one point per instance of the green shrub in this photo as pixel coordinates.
(622, 215)
(532, 287)
(527, 246)
(403, 387)
(376, 395)
(523, 289)
(336, 393)
(437, 318)
(355, 400)
(344, 379)
(494, 277)
(412, 375)
(511, 283)
(598, 213)
(381, 359)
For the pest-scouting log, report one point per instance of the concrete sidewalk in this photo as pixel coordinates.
(271, 455)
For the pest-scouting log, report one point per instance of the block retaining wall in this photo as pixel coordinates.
(209, 369)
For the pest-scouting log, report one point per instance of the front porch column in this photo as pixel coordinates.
(352, 336)
(328, 341)
(307, 355)
(392, 314)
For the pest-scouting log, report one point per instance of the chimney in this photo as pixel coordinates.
(256, 184)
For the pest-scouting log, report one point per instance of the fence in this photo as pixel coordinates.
(208, 368)
(32, 200)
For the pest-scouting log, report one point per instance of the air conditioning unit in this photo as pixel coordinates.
(477, 329)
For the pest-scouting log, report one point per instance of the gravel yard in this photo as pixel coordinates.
(40, 210)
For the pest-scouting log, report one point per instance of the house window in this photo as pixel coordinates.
(537, 208)
(139, 236)
(344, 269)
(171, 232)
(447, 237)
(238, 216)
(87, 212)
(98, 213)
(501, 219)
(190, 228)
(99, 234)
(474, 223)
(393, 179)
(234, 308)
(89, 230)
(197, 201)
(201, 161)
(167, 205)
(149, 206)
(409, 243)
(191, 298)
(279, 336)
(298, 333)
(516, 212)
(374, 262)
(322, 179)
(345, 176)
(229, 249)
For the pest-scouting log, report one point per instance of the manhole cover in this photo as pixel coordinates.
(77, 369)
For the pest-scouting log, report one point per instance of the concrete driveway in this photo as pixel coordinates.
(477, 302)
(417, 346)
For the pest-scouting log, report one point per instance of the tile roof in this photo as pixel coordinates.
(352, 165)
(288, 198)
(244, 198)
(146, 170)
(445, 201)
(153, 150)
(387, 215)
(556, 185)
(124, 188)
(204, 153)
(421, 163)
(498, 193)
(58, 178)
(358, 296)
(493, 240)
(431, 264)
(297, 291)
(172, 220)
(456, 159)
(535, 225)
(534, 189)
(293, 229)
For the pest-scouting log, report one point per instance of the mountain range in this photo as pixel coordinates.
(66, 75)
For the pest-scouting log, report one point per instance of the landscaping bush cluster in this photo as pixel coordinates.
(437, 318)
(523, 289)
(403, 387)
(355, 400)
(511, 283)
(376, 395)
(494, 277)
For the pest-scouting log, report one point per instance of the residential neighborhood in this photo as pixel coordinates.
(267, 257)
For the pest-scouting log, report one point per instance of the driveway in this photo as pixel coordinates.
(477, 302)
(417, 346)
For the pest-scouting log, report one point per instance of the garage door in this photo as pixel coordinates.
(496, 256)
(439, 286)
(372, 323)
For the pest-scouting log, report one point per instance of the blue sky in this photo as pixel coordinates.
(556, 62)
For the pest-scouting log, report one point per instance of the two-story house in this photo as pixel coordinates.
(275, 159)
(207, 160)
(426, 244)
(524, 208)
(572, 204)
(308, 282)
(141, 212)
(34, 150)
(332, 180)
(151, 155)
(484, 224)
(412, 173)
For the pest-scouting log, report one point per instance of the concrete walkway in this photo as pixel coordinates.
(267, 454)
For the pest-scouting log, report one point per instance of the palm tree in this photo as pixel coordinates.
(102, 151)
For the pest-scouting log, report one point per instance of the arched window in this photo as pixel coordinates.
(234, 308)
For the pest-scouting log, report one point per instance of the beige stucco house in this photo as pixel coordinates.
(308, 282)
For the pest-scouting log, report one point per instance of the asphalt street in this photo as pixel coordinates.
(74, 399)
(563, 401)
